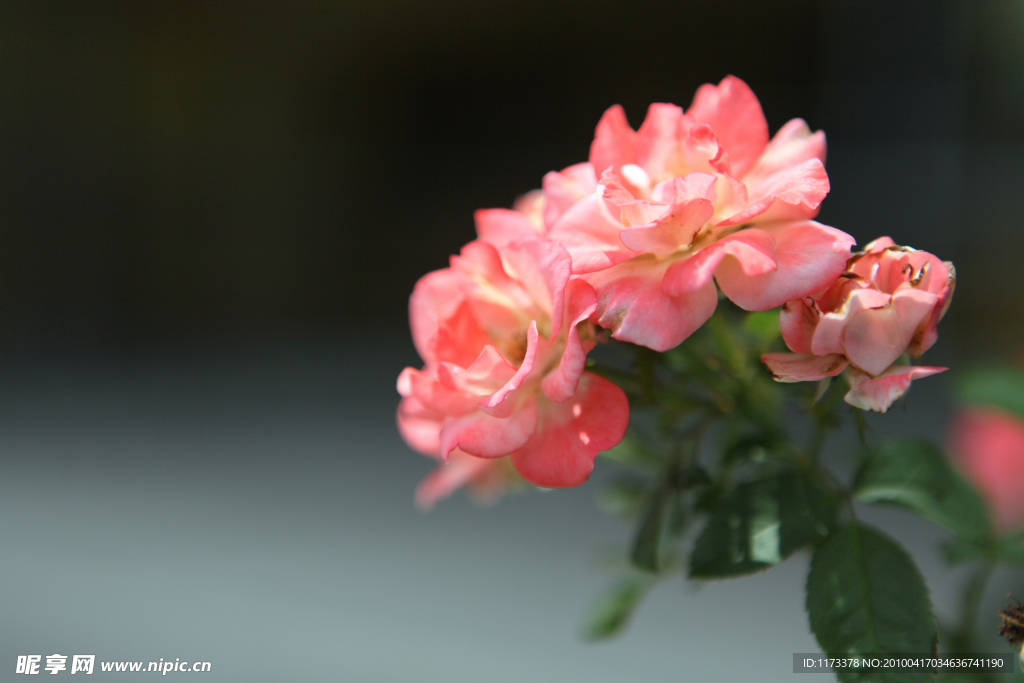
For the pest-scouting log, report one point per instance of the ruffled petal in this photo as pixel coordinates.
(488, 373)
(752, 252)
(614, 141)
(879, 393)
(659, 141)
(676, 226)
(632, 302)
(420, 427)
(501, 226)
(501, 403)
(565, 188)
(828, 335)
(803, 367)
(928, 332)
(487, 436)
(733, 112)
(570, 434)
(560, 384)
(591, 235)
(460, 469)
(789, 194)
(875, 338)
(532, 206)
(809, 257)
(435, 298)
(458, 338)
(797, 321)
(792, 144)
(433, 395)
(542, 266)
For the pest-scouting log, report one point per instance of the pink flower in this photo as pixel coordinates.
(504, 335)
(661, 213)
(988, 445)
(887, 303)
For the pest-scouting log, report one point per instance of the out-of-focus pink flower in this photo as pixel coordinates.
(504, 336)
(661, 213)
(988, 445)
(887, 303)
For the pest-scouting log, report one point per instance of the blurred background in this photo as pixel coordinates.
(212, 215)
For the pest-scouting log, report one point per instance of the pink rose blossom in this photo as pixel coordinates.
(988, 445)
(887, 303)
(660, 213)
(504, 336)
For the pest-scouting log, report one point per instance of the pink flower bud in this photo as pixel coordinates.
(887, 303)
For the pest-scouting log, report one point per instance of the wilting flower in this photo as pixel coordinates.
(887, 303)
(659, 214)
(504, 337)
(988, 445)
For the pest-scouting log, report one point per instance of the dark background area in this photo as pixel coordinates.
(211, 217)
(208, 173)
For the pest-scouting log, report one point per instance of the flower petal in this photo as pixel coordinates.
(879, 393)
(433, 395)
(875, 338)
(501, 226)
(460, 469)
(569, 435)
(591, 235)
(857, 297)
(614, 141)
(659, 141)
(420, 427)
(792, 144)
(488, 373)
(733, 112)
(803, 367)
(752, 252)
(928, 332)
(791, 193)
(563, 189)
(499, 404)
(809, 257)
(560, 384)
(632, 302)
(435, 298)
(542, 266)
(691, 208)
(797, 321)
(487, 436)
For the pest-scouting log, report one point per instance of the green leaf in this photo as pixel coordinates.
(916, 475)
(761, 523)
(865, 596)
(613, 610)
(646, 554)
(998, 387)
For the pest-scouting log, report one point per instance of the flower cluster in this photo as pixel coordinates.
(634, 241)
